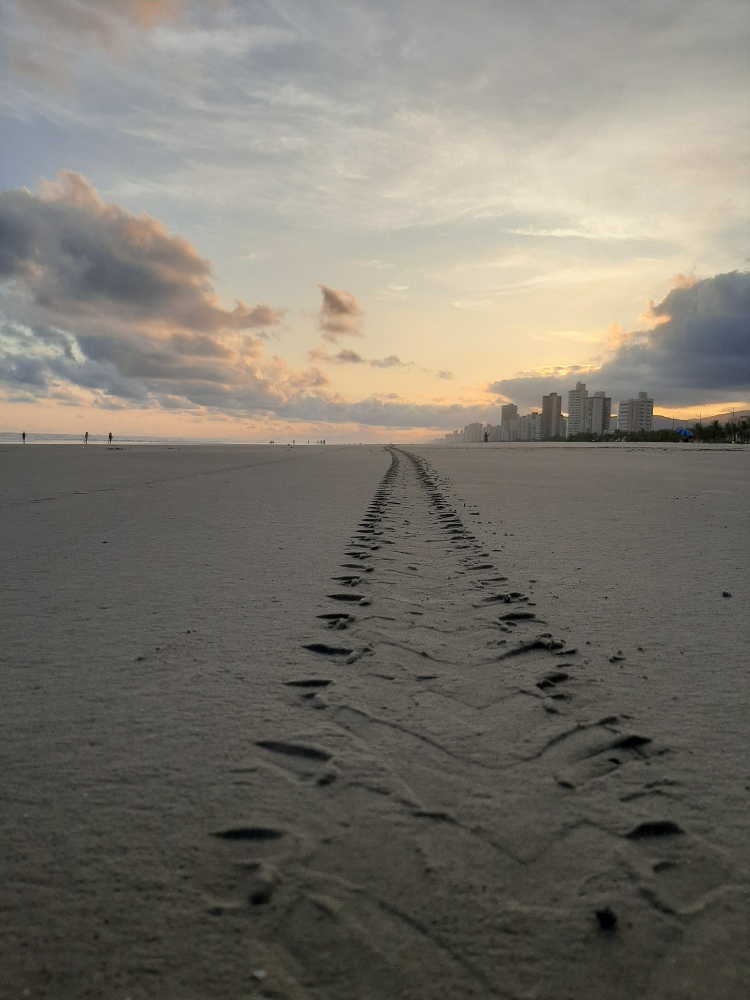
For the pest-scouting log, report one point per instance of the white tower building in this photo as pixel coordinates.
(597, 411)
(577, 409)
(635, 414)
(473, 433)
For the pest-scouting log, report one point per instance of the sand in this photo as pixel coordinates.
(369, 723)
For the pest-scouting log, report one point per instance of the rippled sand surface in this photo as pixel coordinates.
(364, 722)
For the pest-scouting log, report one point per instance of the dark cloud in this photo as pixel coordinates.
(27, 372)
(444, 374)
(702, 341)
(699, 350)
(79, 257)
(340, 314)
(527, 388)
(439, 417)
(97, 298)
(389, 411)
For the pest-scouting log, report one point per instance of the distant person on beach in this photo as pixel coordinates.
(23, 436)
(110, 437)
(86, 438)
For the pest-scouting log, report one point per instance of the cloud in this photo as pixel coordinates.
(392, 361)
(347, 357)
(340, 314)
(390, 411)
(319, 355)
(77, 257)
(44, 46)
(443, 373)
(96, 297)
(105, 307)
(480, 305)
(341, 119)
(380, 265)
(698, 349)
(101, 21)
(102, 307)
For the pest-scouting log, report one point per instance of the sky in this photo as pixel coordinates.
(368, 219)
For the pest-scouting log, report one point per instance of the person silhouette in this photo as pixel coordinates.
(86, 438)
(110, 437)
(23, 436)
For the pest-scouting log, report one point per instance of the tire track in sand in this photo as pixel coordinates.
(432, 608)
(454, 744)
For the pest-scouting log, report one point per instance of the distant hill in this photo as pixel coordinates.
(662, 422)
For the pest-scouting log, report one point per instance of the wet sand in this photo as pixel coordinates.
(365, 722)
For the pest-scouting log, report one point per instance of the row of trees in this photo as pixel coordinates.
(736, 432)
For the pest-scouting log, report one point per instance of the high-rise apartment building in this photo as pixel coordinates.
(529, 427)
(509, 422)
(596, 414)
(635, 414)
(473, 433)
(551, 424)
(577, 409)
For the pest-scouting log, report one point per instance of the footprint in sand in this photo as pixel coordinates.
(256, 855)
(593, 754)
(246, 832)
(303, 759)
(325, 649)
(310, 682)
(295, 749)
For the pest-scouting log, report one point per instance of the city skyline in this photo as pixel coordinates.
(589, 417)
(368, 222)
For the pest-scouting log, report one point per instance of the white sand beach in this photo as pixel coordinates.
(364, 722)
